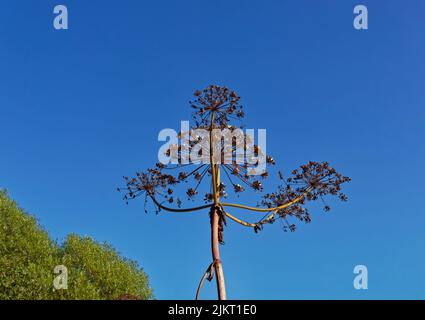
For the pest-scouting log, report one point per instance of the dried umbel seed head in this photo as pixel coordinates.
(191, 193)
(238, 188)
(311, 181)
(221, 101)
(256, 185)
(270, 160)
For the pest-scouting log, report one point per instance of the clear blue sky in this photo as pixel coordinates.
(83, 107)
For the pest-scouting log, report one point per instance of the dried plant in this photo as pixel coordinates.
(214, 108)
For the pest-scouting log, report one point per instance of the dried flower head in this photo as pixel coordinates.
(215, 107)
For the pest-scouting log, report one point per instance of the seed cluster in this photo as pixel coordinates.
(315, 180)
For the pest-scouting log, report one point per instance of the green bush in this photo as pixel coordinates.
(28, 257)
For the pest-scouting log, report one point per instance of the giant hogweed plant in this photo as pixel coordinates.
(222, 169)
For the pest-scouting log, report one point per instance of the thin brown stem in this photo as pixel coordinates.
(209, 273)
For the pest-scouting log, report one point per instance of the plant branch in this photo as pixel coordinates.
(285, 205)
(178, 210)
(209, 272)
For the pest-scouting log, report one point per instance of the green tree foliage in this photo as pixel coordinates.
(109, 275)
(28, 257)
